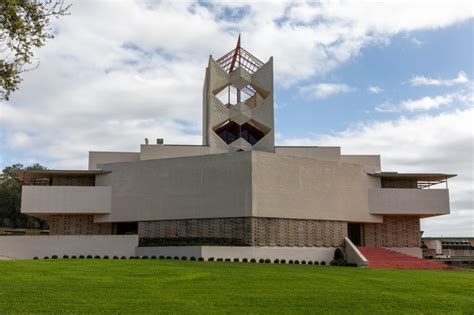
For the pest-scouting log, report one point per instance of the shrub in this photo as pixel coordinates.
(65, 257)
(261, 261)
(316, 263)
(45, 257)
(115, 257)
(123, 257)
(54, 257)
(303, 262)
(228, 260)
(168, 257)
(276, 261)
(105, 257)
(96, 257)
(81, 257)
(144, 257)
(137, 257)
(290, 261)
(310, 262)
(176, 258)
(210, 259)
(245, 260)
(131, 257)
(283, 261)
(184, 258)
(192, 258)
(268, 261)
(253, 260)
(323, 263)
(161, 257)
(73, 257)
(338, 254)
(236, 260)
(297, 262)
(153, 257)
(219, 259)
(201, 259)
(35, 258)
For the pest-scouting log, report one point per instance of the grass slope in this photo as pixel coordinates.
(152, 286)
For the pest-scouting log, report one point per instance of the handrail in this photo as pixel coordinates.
(353, 255)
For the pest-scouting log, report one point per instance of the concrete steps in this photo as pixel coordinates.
(379, 257)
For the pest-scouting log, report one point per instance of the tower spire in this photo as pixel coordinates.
(236, 55)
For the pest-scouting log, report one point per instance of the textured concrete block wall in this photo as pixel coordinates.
(395, 231)
(250, 231)
(78, 225)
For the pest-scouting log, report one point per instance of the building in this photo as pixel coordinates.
(238, 188)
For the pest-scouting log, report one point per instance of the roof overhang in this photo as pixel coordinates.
(424, 180)
(52, 173)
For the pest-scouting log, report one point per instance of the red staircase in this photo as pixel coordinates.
(379, 257)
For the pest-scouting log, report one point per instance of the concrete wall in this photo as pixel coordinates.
(320, 153)
(28, 247)
(373, 161)
(292, 187)
(406, 201)
(300, 253)
(66, 199)
(96, 158)
(207, 186)
(150, 152)
(353, 255)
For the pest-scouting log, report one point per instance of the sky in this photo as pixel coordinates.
(374, 77)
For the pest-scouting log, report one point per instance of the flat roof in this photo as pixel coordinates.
(49, 173)
(417, 176)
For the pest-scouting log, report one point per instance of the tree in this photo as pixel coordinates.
(24, 25)
(10, 200)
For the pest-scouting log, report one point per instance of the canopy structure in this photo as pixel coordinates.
(423, 180)
(44, 177)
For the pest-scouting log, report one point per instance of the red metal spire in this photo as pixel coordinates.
(239, 57)
(236, 54)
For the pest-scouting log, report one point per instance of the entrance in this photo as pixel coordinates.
(353, 231)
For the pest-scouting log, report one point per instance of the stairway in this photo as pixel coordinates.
(379, 257)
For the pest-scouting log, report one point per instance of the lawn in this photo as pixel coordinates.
(153, 286)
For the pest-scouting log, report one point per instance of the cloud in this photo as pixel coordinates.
(374, 89)
(427, 103)
(323, 90)
(422, 80)
(462, 98)
(105, 84)
(440, 143)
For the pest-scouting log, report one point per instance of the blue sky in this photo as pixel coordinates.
(393, 78)
(440, 53)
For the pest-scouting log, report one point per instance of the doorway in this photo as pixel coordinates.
(354, 233)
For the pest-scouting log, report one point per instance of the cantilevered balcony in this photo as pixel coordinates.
(410, 194)
(66, 200)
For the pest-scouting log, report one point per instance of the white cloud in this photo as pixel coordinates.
(427, 103)
(323, 90)
(375, 89)
(462, 98)
(105, 84)
(442, 143)
(422, 80)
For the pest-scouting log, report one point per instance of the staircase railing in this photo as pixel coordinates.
(353, 255)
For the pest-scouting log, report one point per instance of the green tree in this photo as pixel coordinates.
(10, 200)
(24, 25)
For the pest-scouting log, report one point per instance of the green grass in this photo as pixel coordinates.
(153, 286)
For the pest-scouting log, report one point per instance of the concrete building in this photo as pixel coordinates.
(239, 189)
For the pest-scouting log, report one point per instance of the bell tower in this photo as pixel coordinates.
(238, 103)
